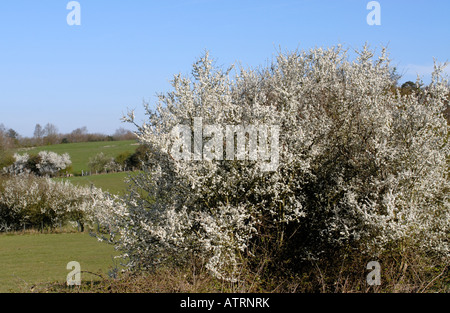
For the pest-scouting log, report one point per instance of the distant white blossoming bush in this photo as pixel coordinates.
(45, 163)
(20, 166)
(101, 163)
(51, 163)
(361, 166)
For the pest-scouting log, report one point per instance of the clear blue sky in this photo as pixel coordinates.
(127, 51)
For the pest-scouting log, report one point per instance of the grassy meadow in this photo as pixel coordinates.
(112, 182)
(81, 152)
(29, 261)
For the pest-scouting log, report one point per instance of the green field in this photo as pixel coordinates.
(28, 260)
(81, 152)
(36, 259)
(112, 182)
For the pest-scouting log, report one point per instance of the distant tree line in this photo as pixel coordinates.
(8, 138)
(49, 135)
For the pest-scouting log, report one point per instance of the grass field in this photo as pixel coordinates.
(28, 260)
(34, 259)
(81, 152)
(112, 182)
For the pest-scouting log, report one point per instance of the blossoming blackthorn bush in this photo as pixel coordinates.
(361, 166)
(28, 201)
(45, 163)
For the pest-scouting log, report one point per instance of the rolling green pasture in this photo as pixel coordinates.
(81, 152)
(112, 182)
(28, 260)
(36, 259)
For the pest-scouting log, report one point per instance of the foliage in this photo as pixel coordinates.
(139, 158)
(101, 163)
(125, 160)
(122, 159)
(6, 141)
(6, 159)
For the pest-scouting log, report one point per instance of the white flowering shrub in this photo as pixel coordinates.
(45, 163)
(360, 165)
(36, 202)
(20, 166)
(102, 163)
(50, 163)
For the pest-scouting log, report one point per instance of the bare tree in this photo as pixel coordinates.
(123, 134)
(8, 138)
(38, 133)
(51, 134)
(79, 134)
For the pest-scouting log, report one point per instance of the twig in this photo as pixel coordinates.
(93, 274)
(423, 290)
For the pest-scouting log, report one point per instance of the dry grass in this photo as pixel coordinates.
(402, 273)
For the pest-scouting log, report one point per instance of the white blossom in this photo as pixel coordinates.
(50, 162)
(47, 164)
(359, 164)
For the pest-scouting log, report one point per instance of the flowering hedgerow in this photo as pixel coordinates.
(360, 165)
(45, 163)
(33, 202)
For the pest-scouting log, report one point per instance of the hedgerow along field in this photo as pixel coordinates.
(80, 153)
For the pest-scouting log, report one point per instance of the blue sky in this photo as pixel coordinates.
(125, 52)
